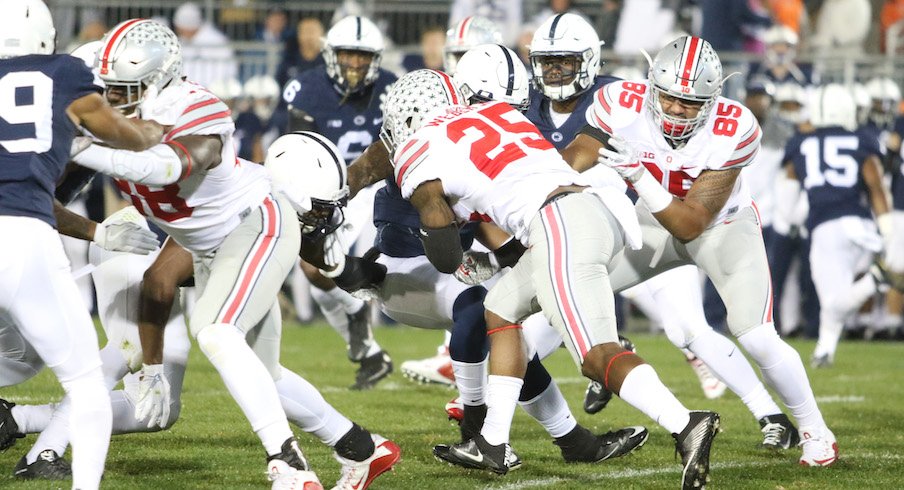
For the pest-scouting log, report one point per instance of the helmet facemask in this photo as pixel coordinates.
(325, 217)
(561, 76)
(350, 74)
(674, 127)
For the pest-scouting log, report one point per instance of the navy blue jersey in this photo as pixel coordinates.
(248, 127)
(828, 163)
(35, 131)
(897, 174)
(352, 125)
(538, 113)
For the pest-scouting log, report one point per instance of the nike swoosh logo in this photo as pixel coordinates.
(470, 456)
(732, 350)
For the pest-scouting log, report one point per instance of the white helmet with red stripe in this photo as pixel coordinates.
(410, 99)
(493, 72)
(138, 54)
(565, 56)
(468, 33)
(687, 69)
(26, 28)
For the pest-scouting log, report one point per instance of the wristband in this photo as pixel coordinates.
(653, 194)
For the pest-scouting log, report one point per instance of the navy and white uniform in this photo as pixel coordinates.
(539, 114)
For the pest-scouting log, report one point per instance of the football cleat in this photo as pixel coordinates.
(455, 409)
(436, 369)
(778, 432)
(478, 454)
(713, 387)
(360, 336)
(597, 397)
(9, 429)
(582, 446)
(48, 466)
(288, 470)
(357, 475)
(819, 445)
(886, 278)
(694, 444)
(372, 370)
(821, 361)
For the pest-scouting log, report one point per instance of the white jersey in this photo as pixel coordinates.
(493, 163)
(730, 138)
(200, 210)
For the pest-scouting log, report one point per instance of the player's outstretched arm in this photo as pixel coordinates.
(97, 116)
(687, 219)
(159, 289)
(369, 168)
(439, 229)
(116, 237)
(583, 151)
(875, 186)
(72, 224)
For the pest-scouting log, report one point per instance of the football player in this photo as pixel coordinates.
(341, 100)
(40, 297)
(441, 154)
(682, 146)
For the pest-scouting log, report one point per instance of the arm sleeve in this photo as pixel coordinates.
(599, 114)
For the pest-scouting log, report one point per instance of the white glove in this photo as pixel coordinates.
(79, 144)
(366, 294)
(476, 268)
(333, 254)
(124, 236)
(162, 109)
(622, 159)
(153, 396)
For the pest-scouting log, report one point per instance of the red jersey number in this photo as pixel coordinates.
(632, 95)
(727, 122)
(147, 200)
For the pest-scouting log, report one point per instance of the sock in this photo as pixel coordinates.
(783, 370)
(89, 427)
(333, 311)
(356, 444)
(502, 397)
(727, 362)
(643, 390)
(829, 334)
(55, 435)
(471, 380)
(306, 408)
(248, 381)
(33, 418)
(551, 410)
(301, 294)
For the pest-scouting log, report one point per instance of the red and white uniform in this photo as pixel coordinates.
(494, 164)
(200, 210)
(729, 138)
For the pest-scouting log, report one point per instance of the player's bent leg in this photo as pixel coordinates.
(18, 360)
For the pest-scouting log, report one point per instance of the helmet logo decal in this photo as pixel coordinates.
(105, 64)
(463, 28)
(447, 83)
(510, 87)
(552, 29)
(692, 55)
(358, 28)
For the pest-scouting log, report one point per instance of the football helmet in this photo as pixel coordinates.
(353, 33)
(862, 100)
(885, 95)
(466, 34)
(687, 69)
(791, 102)
(263, 91)
(308, 169)
(87, 52)
(833, 105)
(570, 37)
(26, 28)
(781, 44)
(411, 99)
(493, 72)
(136, 55)
(227, 89)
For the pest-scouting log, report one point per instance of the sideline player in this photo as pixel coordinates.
(59, 94)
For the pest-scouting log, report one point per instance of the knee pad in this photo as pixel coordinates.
(215, 338)
(762, 343)
(469, 329)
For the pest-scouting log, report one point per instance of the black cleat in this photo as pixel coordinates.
(291, 454)
(778, 432)
(582, 446)
(597, 397)
(472, 422)
(48, 466)
(9, 429)
(694, 444)
(372, 370)
(360, 336)
(478, 454)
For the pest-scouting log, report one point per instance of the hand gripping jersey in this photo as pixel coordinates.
(203, 208)
(730, 138)
(35, 131)
(493, 164)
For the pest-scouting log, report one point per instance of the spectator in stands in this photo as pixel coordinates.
(275, 29)
(506, 14)
(778, 64)
(842, 27)
(303, 51)
(643, 24)
(431, 56)
(892, 13)
(608, 24)
(726, 21)
(789, 13)
(206, 53)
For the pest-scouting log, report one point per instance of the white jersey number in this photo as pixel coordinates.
(842, 167)
(35, 108)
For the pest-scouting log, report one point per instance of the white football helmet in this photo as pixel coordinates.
(687, 69)
(138, 54)
(87, 52)
(227, 89)
(781, 44)
(572, 38)
(353, 33)
(264, 94)
(493, 72)
(885, 96)
(862, 101)
(791, 102)
(308, 169)
(466, 34)
(411, 99)
(26, 28)
(833, 105)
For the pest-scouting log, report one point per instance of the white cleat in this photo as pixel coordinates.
(357, 475)
(436, 369)
(712, 386)
(285, 477)
(819, 445)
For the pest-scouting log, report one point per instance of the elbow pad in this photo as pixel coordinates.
(157, 166)
(361, 273)
(508, 254)
(443, 247)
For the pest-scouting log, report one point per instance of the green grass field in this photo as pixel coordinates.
(212, 445)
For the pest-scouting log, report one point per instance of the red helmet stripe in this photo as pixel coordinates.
(691, 56)
(447, 82)
(463, 27)
(114, 38)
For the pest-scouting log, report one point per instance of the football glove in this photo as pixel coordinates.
(153, 402)
(333, 255)
(476, 267)
(125, 237)
(622, 159)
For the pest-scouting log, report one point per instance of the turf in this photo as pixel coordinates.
(212, 446)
